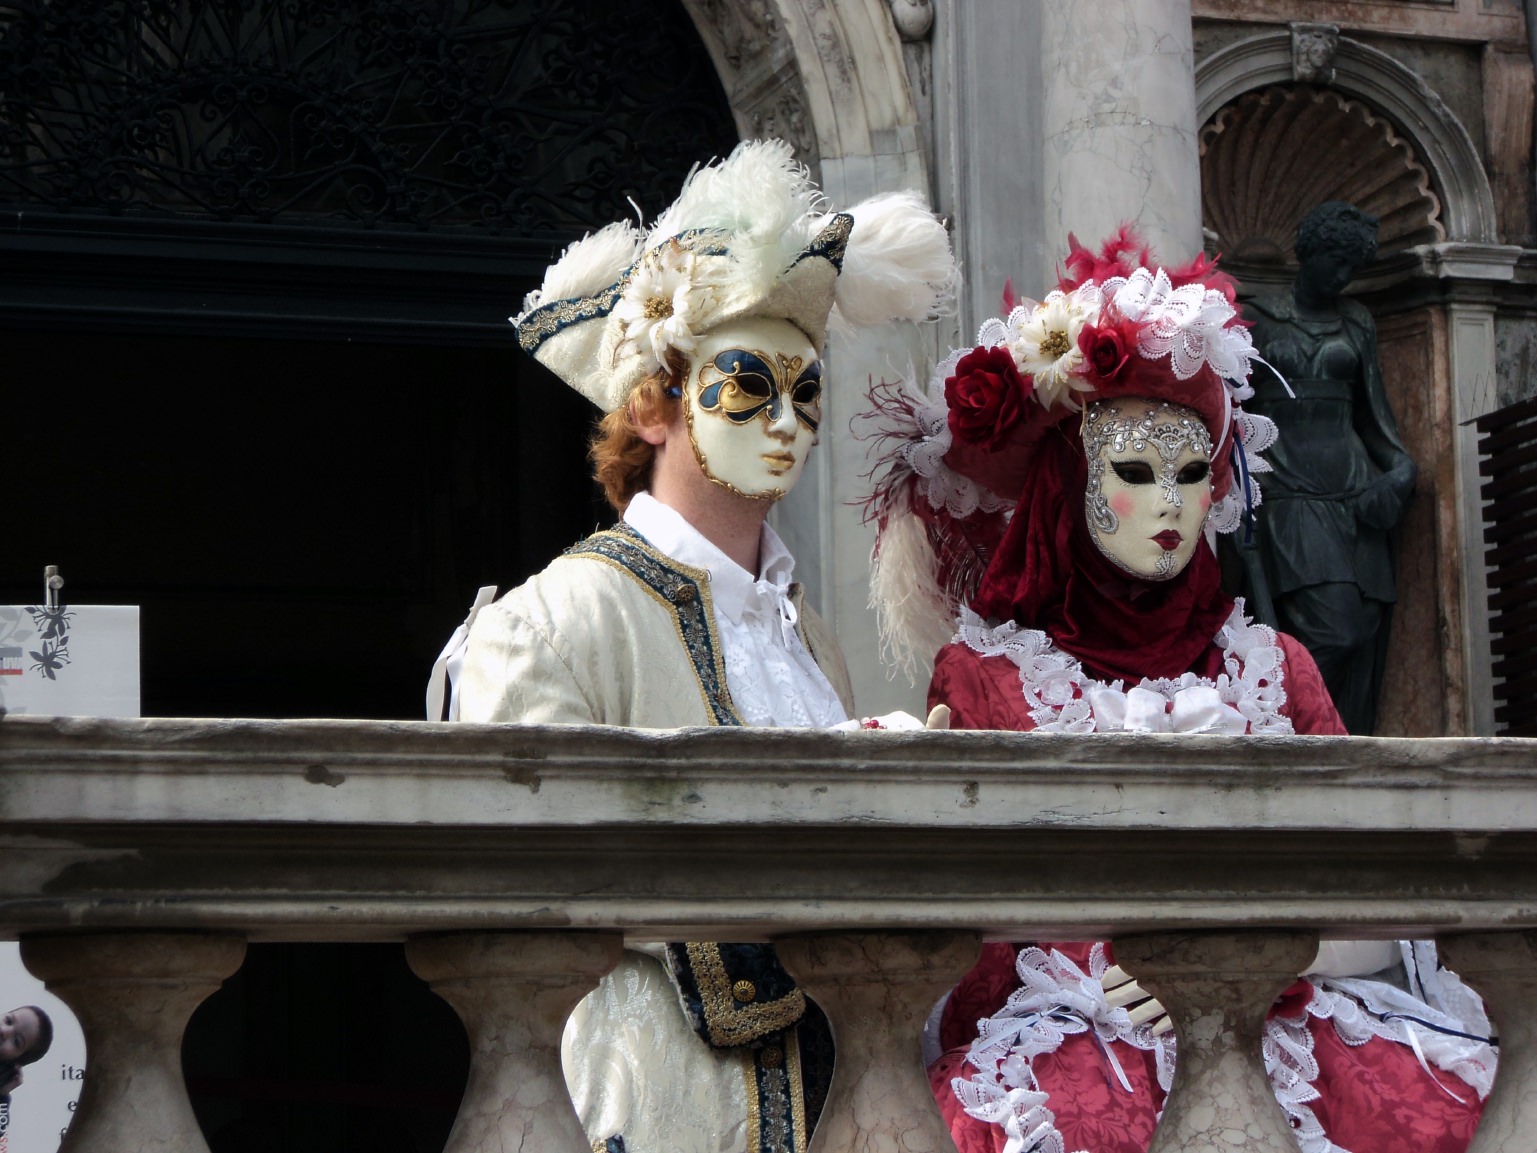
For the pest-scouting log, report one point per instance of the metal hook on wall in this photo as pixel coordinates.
(52, 584)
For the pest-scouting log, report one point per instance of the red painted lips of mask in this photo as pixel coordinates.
(1169, 540)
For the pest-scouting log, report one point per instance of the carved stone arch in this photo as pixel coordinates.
(1272, 155)
(831, 79)
(1417, 114)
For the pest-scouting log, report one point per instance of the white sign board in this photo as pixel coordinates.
(78, 660)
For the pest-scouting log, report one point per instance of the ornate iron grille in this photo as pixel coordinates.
(522, 117)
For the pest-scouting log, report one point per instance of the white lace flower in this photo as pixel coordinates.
(1044, 338)
(654, 306)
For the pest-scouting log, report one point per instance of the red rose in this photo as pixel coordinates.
(1105, 351)
(986, 396)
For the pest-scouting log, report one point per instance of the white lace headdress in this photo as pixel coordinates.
(952, 458)
(749, 236)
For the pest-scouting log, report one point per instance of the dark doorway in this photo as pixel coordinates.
(303, 523)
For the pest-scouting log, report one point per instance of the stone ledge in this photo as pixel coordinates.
(330, 830)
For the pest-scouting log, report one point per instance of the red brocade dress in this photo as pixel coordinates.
(1032, 1056)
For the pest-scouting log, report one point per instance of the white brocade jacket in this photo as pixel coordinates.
(616, 632)
(619, 632)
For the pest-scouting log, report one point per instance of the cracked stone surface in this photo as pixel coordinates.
(514, 991)
(876, 989)
(1217, 988)
(1502, 968)
(133, 994)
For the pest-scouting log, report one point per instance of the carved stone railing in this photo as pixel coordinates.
(138, 857)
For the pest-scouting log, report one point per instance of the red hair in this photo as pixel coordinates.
(621, 458)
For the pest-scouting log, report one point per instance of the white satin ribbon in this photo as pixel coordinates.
(1194, 709)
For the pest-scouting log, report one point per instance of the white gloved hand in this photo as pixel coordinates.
(898, 722)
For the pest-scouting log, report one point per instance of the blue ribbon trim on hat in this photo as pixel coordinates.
(549, 319)
(557, 316)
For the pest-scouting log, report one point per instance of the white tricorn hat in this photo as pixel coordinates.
(749, 236)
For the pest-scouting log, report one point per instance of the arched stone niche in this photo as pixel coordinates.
(1429, 291)
(1271, 155)
(1390, 90)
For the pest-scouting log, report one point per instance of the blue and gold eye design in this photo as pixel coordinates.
(741, 385)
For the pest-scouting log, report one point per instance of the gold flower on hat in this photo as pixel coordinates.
(654, 305)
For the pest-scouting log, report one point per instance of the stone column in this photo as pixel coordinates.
(1217, 988)
(133, 994)
(513, 992)
(1502, 968)
(877, 989)
(1119, 125)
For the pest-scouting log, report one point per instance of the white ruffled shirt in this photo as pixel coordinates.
(772, 678)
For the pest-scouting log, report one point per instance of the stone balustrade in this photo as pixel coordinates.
(138, 857)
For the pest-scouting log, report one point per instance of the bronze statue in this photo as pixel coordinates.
(1325, 534)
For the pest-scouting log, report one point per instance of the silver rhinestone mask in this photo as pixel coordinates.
(1169, 428)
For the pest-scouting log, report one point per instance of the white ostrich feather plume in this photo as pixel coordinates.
(898, 264)
(590, 265)
(914, 616)
(760, 194)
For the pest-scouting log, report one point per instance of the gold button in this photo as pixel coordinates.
(744, 991)
(683, 594)
(773, 1057)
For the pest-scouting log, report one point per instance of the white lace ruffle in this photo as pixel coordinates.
(1189, 325)
(1255, 434)
(1058, 1000)
(1362, 1009)
(1246, 697)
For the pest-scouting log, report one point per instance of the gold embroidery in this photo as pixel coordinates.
(545, 321)
(797, 1086)
(754, 1109)
(730, 1023)
(716, 696)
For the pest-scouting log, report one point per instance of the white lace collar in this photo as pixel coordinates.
(1246, 696)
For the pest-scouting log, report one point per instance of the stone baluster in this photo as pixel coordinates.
(877, 989)
(514, 991)
(1218, 988)
(1502, 968)
(133, 994)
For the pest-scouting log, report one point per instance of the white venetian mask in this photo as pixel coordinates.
(1149, 486)
(754, 400)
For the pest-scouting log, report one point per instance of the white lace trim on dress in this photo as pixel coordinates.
(1057, 999)
(1246, 697)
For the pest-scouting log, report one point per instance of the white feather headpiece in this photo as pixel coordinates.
(749, 236)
